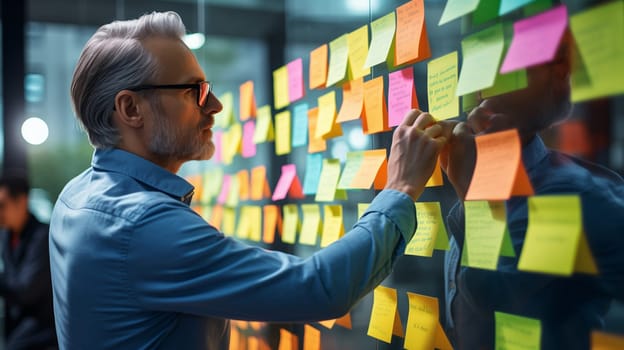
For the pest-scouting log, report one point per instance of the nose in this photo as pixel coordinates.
(213, 105)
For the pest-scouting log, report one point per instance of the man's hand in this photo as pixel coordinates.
(416, 143)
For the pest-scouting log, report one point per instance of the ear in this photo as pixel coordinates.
(128, 109)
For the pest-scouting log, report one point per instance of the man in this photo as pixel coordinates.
(25, 283)
(569, 308)
(134, 267)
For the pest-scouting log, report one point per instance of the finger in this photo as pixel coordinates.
(434, 131)
(461, 130)
(499, 122)
(447, 127)
(410, 117)
(424, 120)
(479, 119)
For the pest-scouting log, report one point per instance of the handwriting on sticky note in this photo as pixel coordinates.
(486, 225)
(422, 322)
(441, 86)
(401, 95)
(516, 332)
(429, 231)
(410, 28)
(383, 313)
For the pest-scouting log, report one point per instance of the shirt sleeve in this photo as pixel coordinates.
(177, 262)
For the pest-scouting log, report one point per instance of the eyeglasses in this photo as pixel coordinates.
(204, 88)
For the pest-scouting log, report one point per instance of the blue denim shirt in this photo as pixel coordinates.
(568, 307)
(134, 267)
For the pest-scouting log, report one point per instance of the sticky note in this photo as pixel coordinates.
(375, 113)
(555, 242)
(487, 236)
(597, 34)
(314, 164)
(271, 223)
(328, 182)
(264, 127)
(212, 184)
(295, 80)
(401, 95)
(250, 227)
(536, 39)
(606, 341)
(217, 140)
(300, 125)
(290, 226)
(357, 41)
(311, 338)
(362, 209)
(482, 53)
(485, 12)
(382, 32)
(311, 224)
(247, 100)
(422, 321)
(232, 140)
(288, 184)
(499, 172)
(224, 118)
(411, 44)
(353, 164)
(430, 230)
(233, 195)
(249, 146)
(259, 184)
(288, 341)
(352, 101)
(436, 177)
(228, 223)
(441, 86)
(338, 58)
(282, 133)
(344, 321)
(280, 87)
(318, 67)
(384, 314)
(326, 126)
(373, 170)
(457, 8)
(216, 217)
(333, 226)
(225, 189)
(507, 6)
(512, 330)
(243, 184)
(315, 144)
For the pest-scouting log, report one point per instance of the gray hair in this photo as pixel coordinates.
(112, 60)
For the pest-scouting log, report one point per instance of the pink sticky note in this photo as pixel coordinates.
(295, 79)
(401, 95)
(249, 147)
(536, 39)
(285, 181)
(225, 189)
(217, 139)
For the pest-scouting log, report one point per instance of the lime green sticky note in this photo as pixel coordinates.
(282, 130)
(485, 12)
(310, 224)
(330, 173)
(457, 8)
(224, 118)
(280, 87)
(508, 82)
(469, 101)
(553, 234)
(486, 229)
(352, 166)
(516, 332)
(264, 125)
(358, 50)
(382, 30)
(338, 58)
(482, 53)
(441, 86)
(430, 230)
(290, 224)
(598, 33)
(362, 209)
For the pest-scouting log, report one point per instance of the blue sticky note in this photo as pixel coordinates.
(300, 125)
(507, 6)
(314, 164)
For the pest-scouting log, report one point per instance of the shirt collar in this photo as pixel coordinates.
(142, 170)
(533, 153)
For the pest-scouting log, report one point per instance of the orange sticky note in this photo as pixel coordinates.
(318, 67)
(352, 101)
(259, 184)
(499, 172)
(329, 324)
(217, 217)
(375, 115)
(326, 126)
(345, 321)
(243, 184)
(311, 338)
(247, 100)
(411, 44)
(272, 221)
(236, 339)
(314, 144)
(384, 319)
(374, 170)
(606, 341)
(288, 341)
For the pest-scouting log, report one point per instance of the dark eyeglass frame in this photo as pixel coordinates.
(202, 97)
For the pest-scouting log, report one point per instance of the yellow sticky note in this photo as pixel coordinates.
(333, 226)
(384, 314)
(318, 67)
(375, 117)
(606, 341)
(555, 236)
(311, 338)
(362, 209)
(228, 224)
(282, 130)
(288, 341)
(422, 322)
(310, 225)
(315, 144)
(338, 58)
(357, 41)
(512, 330)
(290, 214)
(436, 178)
(486, 231)
(254, 216)
(326, 126)
(280, 87)
(224, 118)
(264, 126)
(247, 100)
(327, 188)
(430, 230)
(441, 86)
(382, 32)
(232, 198)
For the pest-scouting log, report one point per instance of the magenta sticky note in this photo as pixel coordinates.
(249, 147)
(401, 95)
(295, 79)
(536, 39)
(225, 189)
(285, 181)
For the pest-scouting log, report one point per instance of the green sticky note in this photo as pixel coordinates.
(330, 173)
(553, 234)
(516, 332)
(352, 166)
(430, 230)
(485, 12)
(224, 118)
(598, 33)
(362, 208)
(382, 30)
(512, 81)
(486, 228)
(482, 53)
(469, 101)
(457, 8)
(338, 58)
(441, 86)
